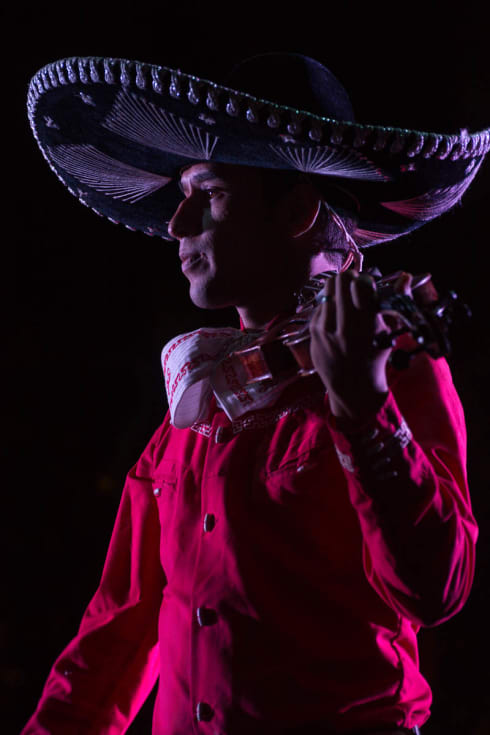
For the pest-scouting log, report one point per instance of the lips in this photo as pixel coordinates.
(190, 260)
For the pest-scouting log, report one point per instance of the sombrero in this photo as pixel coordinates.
(117, 133)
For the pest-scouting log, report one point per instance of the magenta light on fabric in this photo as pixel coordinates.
(269, 614)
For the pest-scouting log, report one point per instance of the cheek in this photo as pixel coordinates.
(250, 227)
(241, 236)
(208, 220)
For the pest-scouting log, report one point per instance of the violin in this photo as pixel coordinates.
(284, 350)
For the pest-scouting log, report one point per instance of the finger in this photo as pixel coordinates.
(330, 307)
(318, 319)
(403, 284)
(364, 294)
(324, 315)
(343, 299)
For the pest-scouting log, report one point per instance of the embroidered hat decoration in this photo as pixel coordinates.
(118, 132)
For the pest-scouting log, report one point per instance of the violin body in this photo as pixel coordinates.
(285, 349)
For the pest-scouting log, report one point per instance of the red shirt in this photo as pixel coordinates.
(274, 572)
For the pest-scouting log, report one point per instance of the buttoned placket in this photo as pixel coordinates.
(205, 616)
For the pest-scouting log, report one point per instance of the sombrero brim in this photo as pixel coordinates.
(117, 133)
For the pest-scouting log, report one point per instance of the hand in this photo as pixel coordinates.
(342, 351)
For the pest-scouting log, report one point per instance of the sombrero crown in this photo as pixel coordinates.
(117, 133)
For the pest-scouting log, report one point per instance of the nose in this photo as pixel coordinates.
(186, 220)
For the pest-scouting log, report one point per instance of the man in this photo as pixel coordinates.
(225, 215)
(279, 543)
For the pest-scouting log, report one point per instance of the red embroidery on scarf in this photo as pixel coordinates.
(203, 333)
(187, 367)
(233, 383)
(174, 346)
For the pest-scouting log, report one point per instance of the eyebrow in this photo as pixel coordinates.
(199, 178)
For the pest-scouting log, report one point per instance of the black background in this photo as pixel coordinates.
(88, 305)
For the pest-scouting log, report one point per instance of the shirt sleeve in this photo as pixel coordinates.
(99, 682)
(406, 477)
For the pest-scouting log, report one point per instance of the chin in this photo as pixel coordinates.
(206, 299)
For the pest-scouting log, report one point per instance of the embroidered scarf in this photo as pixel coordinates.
(200, 363)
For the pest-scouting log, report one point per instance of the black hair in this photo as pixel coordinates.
(327, 235)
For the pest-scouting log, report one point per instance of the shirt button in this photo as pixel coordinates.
(209, 522)
(204, 712)
(157, 492)
(206, 616)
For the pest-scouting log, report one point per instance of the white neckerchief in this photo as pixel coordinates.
(200, 363)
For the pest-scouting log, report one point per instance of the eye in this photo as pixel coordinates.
(211, 193)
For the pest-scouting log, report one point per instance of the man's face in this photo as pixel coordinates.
(229, 241)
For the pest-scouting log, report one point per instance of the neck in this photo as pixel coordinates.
(257, 316)
(276, 295)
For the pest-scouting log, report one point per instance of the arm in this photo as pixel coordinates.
(404, 455)
(99, 682)
(405, 472)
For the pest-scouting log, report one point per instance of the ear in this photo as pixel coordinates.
(298, 210)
